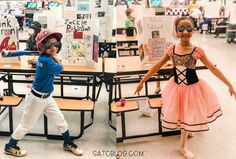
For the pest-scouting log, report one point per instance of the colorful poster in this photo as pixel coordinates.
(95, 48)
(8, 38)
(8, 34)
(78, 42)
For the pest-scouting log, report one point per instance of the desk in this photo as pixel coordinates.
(130, 40)
(122, 38)
(214, 21)
(69, 70)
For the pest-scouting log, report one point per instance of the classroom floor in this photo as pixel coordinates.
(98, 141)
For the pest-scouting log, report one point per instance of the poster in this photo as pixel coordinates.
(8, 38)
(157, 48)
(162, 24)
(155, 37)
(78, 41)
(69, 9)
(95, 48)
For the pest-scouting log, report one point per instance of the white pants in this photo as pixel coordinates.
(34, 107)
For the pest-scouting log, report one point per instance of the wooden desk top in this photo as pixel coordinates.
(73, 104)
(130, 105)
(218, 17)
(124, 38)
(10, 101)
(110, 66)
(132, 64)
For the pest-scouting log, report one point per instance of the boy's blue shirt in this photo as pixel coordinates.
(46, 69)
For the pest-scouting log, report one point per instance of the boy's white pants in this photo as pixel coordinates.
(34, 107)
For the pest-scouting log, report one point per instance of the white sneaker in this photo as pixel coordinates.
(73, 148)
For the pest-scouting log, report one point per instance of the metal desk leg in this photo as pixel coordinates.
(123, 129)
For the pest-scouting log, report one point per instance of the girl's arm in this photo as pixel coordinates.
(155, 68)
(218, 74)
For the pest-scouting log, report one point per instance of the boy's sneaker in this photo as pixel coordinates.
(15, 151)
(73, 148)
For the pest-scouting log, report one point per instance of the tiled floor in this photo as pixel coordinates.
(99, 142)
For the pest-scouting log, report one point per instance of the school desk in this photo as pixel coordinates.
(64, 102)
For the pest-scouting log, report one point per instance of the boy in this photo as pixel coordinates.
(40, 100)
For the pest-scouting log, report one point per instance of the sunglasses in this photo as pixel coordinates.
(181, 29)
(49, 45)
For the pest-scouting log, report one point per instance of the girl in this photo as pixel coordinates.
(188, 102)
(40, 99)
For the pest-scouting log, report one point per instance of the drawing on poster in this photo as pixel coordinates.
(78, 42)
(101, 14)
(157, 48)
(155, 34)
(8, 34)
(8, 38)
(110, 2)
(83, 7)
(98, 4)
(84, 16)
(95, 48)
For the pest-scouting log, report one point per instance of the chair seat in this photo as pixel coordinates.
(130, 105)
(74, 105)
(155, 103)
(10, 101)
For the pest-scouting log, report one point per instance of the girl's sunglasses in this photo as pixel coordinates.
(49, 45)
(181, 29)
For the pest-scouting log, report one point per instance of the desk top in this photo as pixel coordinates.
(133, 65)
(218, 17)
(124, 38)
(110, 66)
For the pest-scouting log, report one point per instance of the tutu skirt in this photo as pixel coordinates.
(189, 107)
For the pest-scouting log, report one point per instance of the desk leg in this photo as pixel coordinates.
(10, 120)
(94, 88)
(123, 125)
(81, 123)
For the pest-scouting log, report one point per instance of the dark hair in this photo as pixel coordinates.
(180, 19)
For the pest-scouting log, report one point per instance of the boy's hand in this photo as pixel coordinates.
(139, 88)
(232, 92)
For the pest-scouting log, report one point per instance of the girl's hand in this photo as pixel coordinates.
(139, 88)
(232, 92)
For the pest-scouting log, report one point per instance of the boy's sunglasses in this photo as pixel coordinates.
(181, 29)
(49, 45)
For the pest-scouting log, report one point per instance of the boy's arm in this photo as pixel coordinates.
(57, 60)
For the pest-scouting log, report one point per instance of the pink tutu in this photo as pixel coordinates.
(189, 107)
